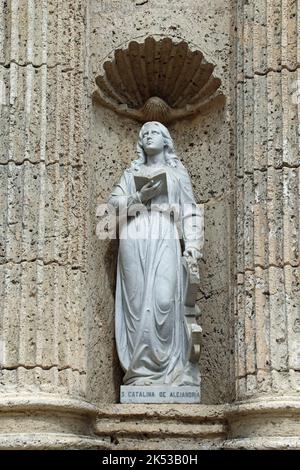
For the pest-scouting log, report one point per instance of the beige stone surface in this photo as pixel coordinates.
(43, 200)
(268, 38)
(165, 426)
(268, 423)
(45, 421)
(59, 157)
(268, 197)
(42, 32)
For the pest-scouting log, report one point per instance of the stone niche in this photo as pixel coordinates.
(202, 131)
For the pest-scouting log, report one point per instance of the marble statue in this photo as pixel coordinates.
(156, 333)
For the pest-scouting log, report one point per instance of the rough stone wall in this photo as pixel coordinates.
(43, 195)
(59, 157)
(205, 146)
(268, 297)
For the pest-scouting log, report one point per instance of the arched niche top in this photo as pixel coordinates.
(158, 80)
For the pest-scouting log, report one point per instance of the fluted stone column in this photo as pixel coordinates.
(268, 237)
(43, 223)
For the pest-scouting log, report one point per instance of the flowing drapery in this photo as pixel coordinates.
(151, 334)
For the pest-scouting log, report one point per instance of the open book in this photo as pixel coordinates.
(140, 181)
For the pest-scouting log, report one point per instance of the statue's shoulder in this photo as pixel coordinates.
(133, 168)
(129, 173)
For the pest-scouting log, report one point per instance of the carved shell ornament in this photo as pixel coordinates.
(158, 80)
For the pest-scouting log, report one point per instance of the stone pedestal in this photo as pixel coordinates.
(268, 423)
(47, 421)
(163, 426)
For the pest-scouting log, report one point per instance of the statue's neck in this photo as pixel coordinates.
(156, 160)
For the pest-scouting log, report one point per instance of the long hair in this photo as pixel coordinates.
(171, 158)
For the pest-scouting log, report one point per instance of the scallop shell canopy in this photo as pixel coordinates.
(158, 80)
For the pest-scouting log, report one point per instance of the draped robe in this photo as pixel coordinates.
(151, 333)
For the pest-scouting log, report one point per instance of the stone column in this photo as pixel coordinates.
(267, 207)
(43, 223)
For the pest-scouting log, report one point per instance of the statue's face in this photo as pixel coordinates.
(153, 141)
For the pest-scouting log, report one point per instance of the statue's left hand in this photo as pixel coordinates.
(193, 253)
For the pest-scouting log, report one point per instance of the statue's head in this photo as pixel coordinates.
(153, 138)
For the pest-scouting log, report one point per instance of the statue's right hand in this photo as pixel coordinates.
(150, 190)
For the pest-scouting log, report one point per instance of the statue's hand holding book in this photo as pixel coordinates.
(150, 187)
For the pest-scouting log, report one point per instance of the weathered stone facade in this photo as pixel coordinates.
(60, 155)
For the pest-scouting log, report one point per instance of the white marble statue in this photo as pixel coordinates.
(152, 334)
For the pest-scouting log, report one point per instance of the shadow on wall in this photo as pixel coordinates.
(110, 263)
